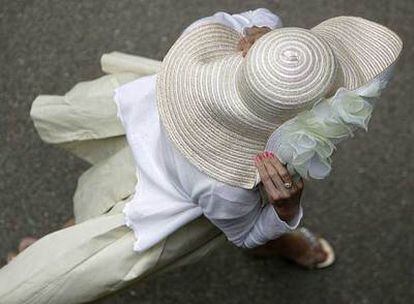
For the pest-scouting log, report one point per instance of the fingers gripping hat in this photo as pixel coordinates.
(220, 109)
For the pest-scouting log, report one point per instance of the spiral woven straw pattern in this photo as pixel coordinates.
(363, 48)
(289, 69)
(219, 108)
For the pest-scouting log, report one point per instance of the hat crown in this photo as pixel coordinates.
(287, 70)
(218, 106)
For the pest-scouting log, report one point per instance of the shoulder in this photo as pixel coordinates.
(126, 97)
(135, 88)
(130, 93)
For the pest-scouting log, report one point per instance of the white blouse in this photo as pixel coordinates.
(171, 191)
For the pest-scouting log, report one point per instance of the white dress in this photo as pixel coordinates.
(171, 192)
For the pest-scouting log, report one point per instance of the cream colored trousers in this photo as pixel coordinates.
(94, 258)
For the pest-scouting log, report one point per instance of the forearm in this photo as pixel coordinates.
(257, 227)
(270, 226)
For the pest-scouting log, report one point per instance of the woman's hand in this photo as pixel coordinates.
(252, 34)
(284, 194)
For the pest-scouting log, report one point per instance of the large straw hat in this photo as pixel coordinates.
(219, 108)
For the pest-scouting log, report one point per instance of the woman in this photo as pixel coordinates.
(179, 172)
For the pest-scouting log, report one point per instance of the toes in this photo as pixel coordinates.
(330, 254)
(10, 256)
(24, 243)
(320, 255)
(69, 223)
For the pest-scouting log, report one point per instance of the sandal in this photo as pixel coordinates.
(314, 242)
(299, 247)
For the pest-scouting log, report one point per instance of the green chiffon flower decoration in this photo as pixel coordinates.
(306, 142)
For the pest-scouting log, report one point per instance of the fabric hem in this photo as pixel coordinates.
(126, 209)
(116, 99)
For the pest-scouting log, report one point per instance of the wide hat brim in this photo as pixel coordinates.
(207, 119)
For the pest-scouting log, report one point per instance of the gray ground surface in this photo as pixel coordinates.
(365, 208)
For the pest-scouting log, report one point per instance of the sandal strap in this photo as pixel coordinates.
(309, 236)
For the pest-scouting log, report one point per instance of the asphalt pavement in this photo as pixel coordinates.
(365, 208)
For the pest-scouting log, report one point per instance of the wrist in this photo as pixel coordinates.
(287, 213)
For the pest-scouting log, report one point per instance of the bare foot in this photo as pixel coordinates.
(302, 247)
(26, 242)
(69, 222)
(10, 256)
(29, 240)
